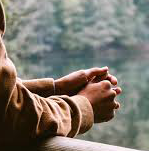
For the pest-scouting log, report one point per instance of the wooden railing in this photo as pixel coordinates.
(69, 144)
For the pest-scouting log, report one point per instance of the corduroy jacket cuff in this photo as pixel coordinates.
(87, 115)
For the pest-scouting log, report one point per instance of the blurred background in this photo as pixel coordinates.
(51, 38)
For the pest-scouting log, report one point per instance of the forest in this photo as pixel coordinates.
(51, 38)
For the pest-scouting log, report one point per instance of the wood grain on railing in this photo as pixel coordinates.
(70, 144)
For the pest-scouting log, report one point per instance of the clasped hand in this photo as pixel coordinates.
(95, 84)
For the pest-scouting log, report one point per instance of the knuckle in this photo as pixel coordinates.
(106, 84)
(110, 117)
(112, 105)
(95, 68)
(83, 72)
(113, 94)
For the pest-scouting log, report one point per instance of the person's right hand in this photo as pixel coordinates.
(102, 99)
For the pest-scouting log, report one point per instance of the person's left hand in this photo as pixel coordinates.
(99, 74)
(76, 81)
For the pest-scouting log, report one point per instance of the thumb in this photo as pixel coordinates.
(93, 72)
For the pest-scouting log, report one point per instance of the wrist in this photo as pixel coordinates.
(58, 87)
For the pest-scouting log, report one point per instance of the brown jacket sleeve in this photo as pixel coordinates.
(43, 87)
(25, 116)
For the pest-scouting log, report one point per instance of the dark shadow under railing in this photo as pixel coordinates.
(69, 144)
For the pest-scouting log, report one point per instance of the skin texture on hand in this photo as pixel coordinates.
(102, 99)
(71, 84)
(76, 81)
(96, 87)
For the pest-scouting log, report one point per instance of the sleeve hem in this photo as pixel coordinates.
(87, 116)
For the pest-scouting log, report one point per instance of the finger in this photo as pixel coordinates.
(111, 96)
(106, 85)
(110, 116)
(112, 79)
(117, 105)
(118, 90)
(113, 105)
(93, 72)
(108, 77)
(100, 78)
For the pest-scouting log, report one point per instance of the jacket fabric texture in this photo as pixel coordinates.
(30, 109)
